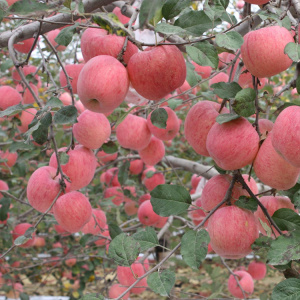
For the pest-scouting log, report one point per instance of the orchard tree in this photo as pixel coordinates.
(138, 136)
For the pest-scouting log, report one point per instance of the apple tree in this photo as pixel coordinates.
(139, 136)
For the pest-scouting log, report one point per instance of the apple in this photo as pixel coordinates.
(27, 96)
(265, 127)
(96, 224)
(251, 184)
(51, 35)
(157, 71)
(203, 71)
(136, 166)
(259, 57)
(8, 97)
(116, 290)
(106, 157)
(257, 269)
(26, 118)
(39, 242)
(3, 187)
(246, 282)
(115, 192)
(235, 239)
(232, 145)
(60, 230)
(71, 262)
(123, 19)
(133, 133)
(146, 214)
(72, 211)
(111, 177)
(240, 4)
(102, 84)
(153, 153)
(131, 208)
(73, 72)
(153, 181)
(143, 198)
(10, 158)
(195, 180)
(20, 230)
(24, 46)
(172, 126)
(184, 88)
(92, 129)
(27, 69)
(220, 77)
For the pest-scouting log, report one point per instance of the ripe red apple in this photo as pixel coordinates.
(257, 2)
(235, 239)
(27, 69)
(131, 208)
(80, 168)
(133, 133)
(136, 166)
(184, 88)
(26, 118)
(24, 46)
(265, 127)
(146, 214)
(111, 177)
(73, 72)
(157, 71)
(220, 77)
(102, 84)
(10, 158)
(72, 211)
(3, 187)
(92, 129)
(19, 230)
(245, 281)
(123, 19)
(51, 35)
(106, 157)
(259, 57)
(116, 289)
(257, 269)
(240, 4)
(143, 198)
(153, 181)
(27, 96)
(39, 242)
(154, 152)
(203, 71)
(232, 145)
(71, 262)
(115, 192)
(96, 224)
(9, 97)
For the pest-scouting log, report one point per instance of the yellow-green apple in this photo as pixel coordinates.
(146, 214)
(42, 188)
(3, 187)
(73, 72)
(232, 145)
(203, 71)
(246, 282)
(95, 42)
(92, 129)
(259, 57)
(146, 75)
(272, 204)
(199, 120)
(257, 269)
(8, 97)
(80, 168)
(116, 289)
(171, 129)
(97, 222)
(285, 135)
(133, 133)
(232, 231)
(26, 118)
(20, 230)
(24, 46)
(136, 166)
(51, 35)
(154, 152)
(272, 169)
(102, 84)
(72, 211)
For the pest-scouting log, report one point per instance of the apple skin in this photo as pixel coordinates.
(60, 230)
(26, 118)
(131, 208)
(203, 71)
(199, 120)
(215, 190)
(24, 46)
(245, 281)
(259, 57)
(143, 198)
(73, 72)
(51, 35)
(145, 71)
(233, 145)
(70, 262)
(153, 153)
(136, 166)
(133, 133)
(11, 158)
(72, 211)
(3, 187)
(27, 96)
(240, 4)
(269, 167)
(184, 88)
(146, 214)
(39, 242)
(235, 239)
(220, 77)
(95, 42)
(115, 192)
(265, 127)
(272, 204)
(116, 290)
(286, 142)
(111, 177)
(102, 84)
(123, 19)
(9, 97)
(42, 188)
(19, 230)
(152, 182)
(26, 70)
(80, 168)
(106, 157)
(251, 184)
(257, 269)
(195, 180)
(91, 226)
(92, 129)
(171, 129)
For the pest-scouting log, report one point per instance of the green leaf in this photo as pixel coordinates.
(40, 135)
(224, 118)
(246, 203)
(24, 296)
(286, 219)
(296, 199)
(110, 147)
(284, 249)
(92, 296)
(81, 7)
(231, 40)
(63, 158)
(196, 22)
(19, 146)
(15, 109)
(149, 174)
(298, 84)
(8, 63)
(288, 289)
(23, 7)
(244, 104)
(114, 230)
(65, 36)
(54, 102)
(120, 120)
(67, 4)
(123, 172)
(147, 238)
(170, 200)
(159, 118)
(21, 240)
(262, 242)
(31, 79)
(66, 115)
(29, 232)
(173, 103)
(169, 29)
(204, 54)
(264, 15)
(226, 90)
(192, 77)
(172, 8)
(124, 250)
(3, 12)
(293, 51)
(161, 283)
(83, 241)
(4, 208)
(148, 10)
(286, 23)
(194, 247)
